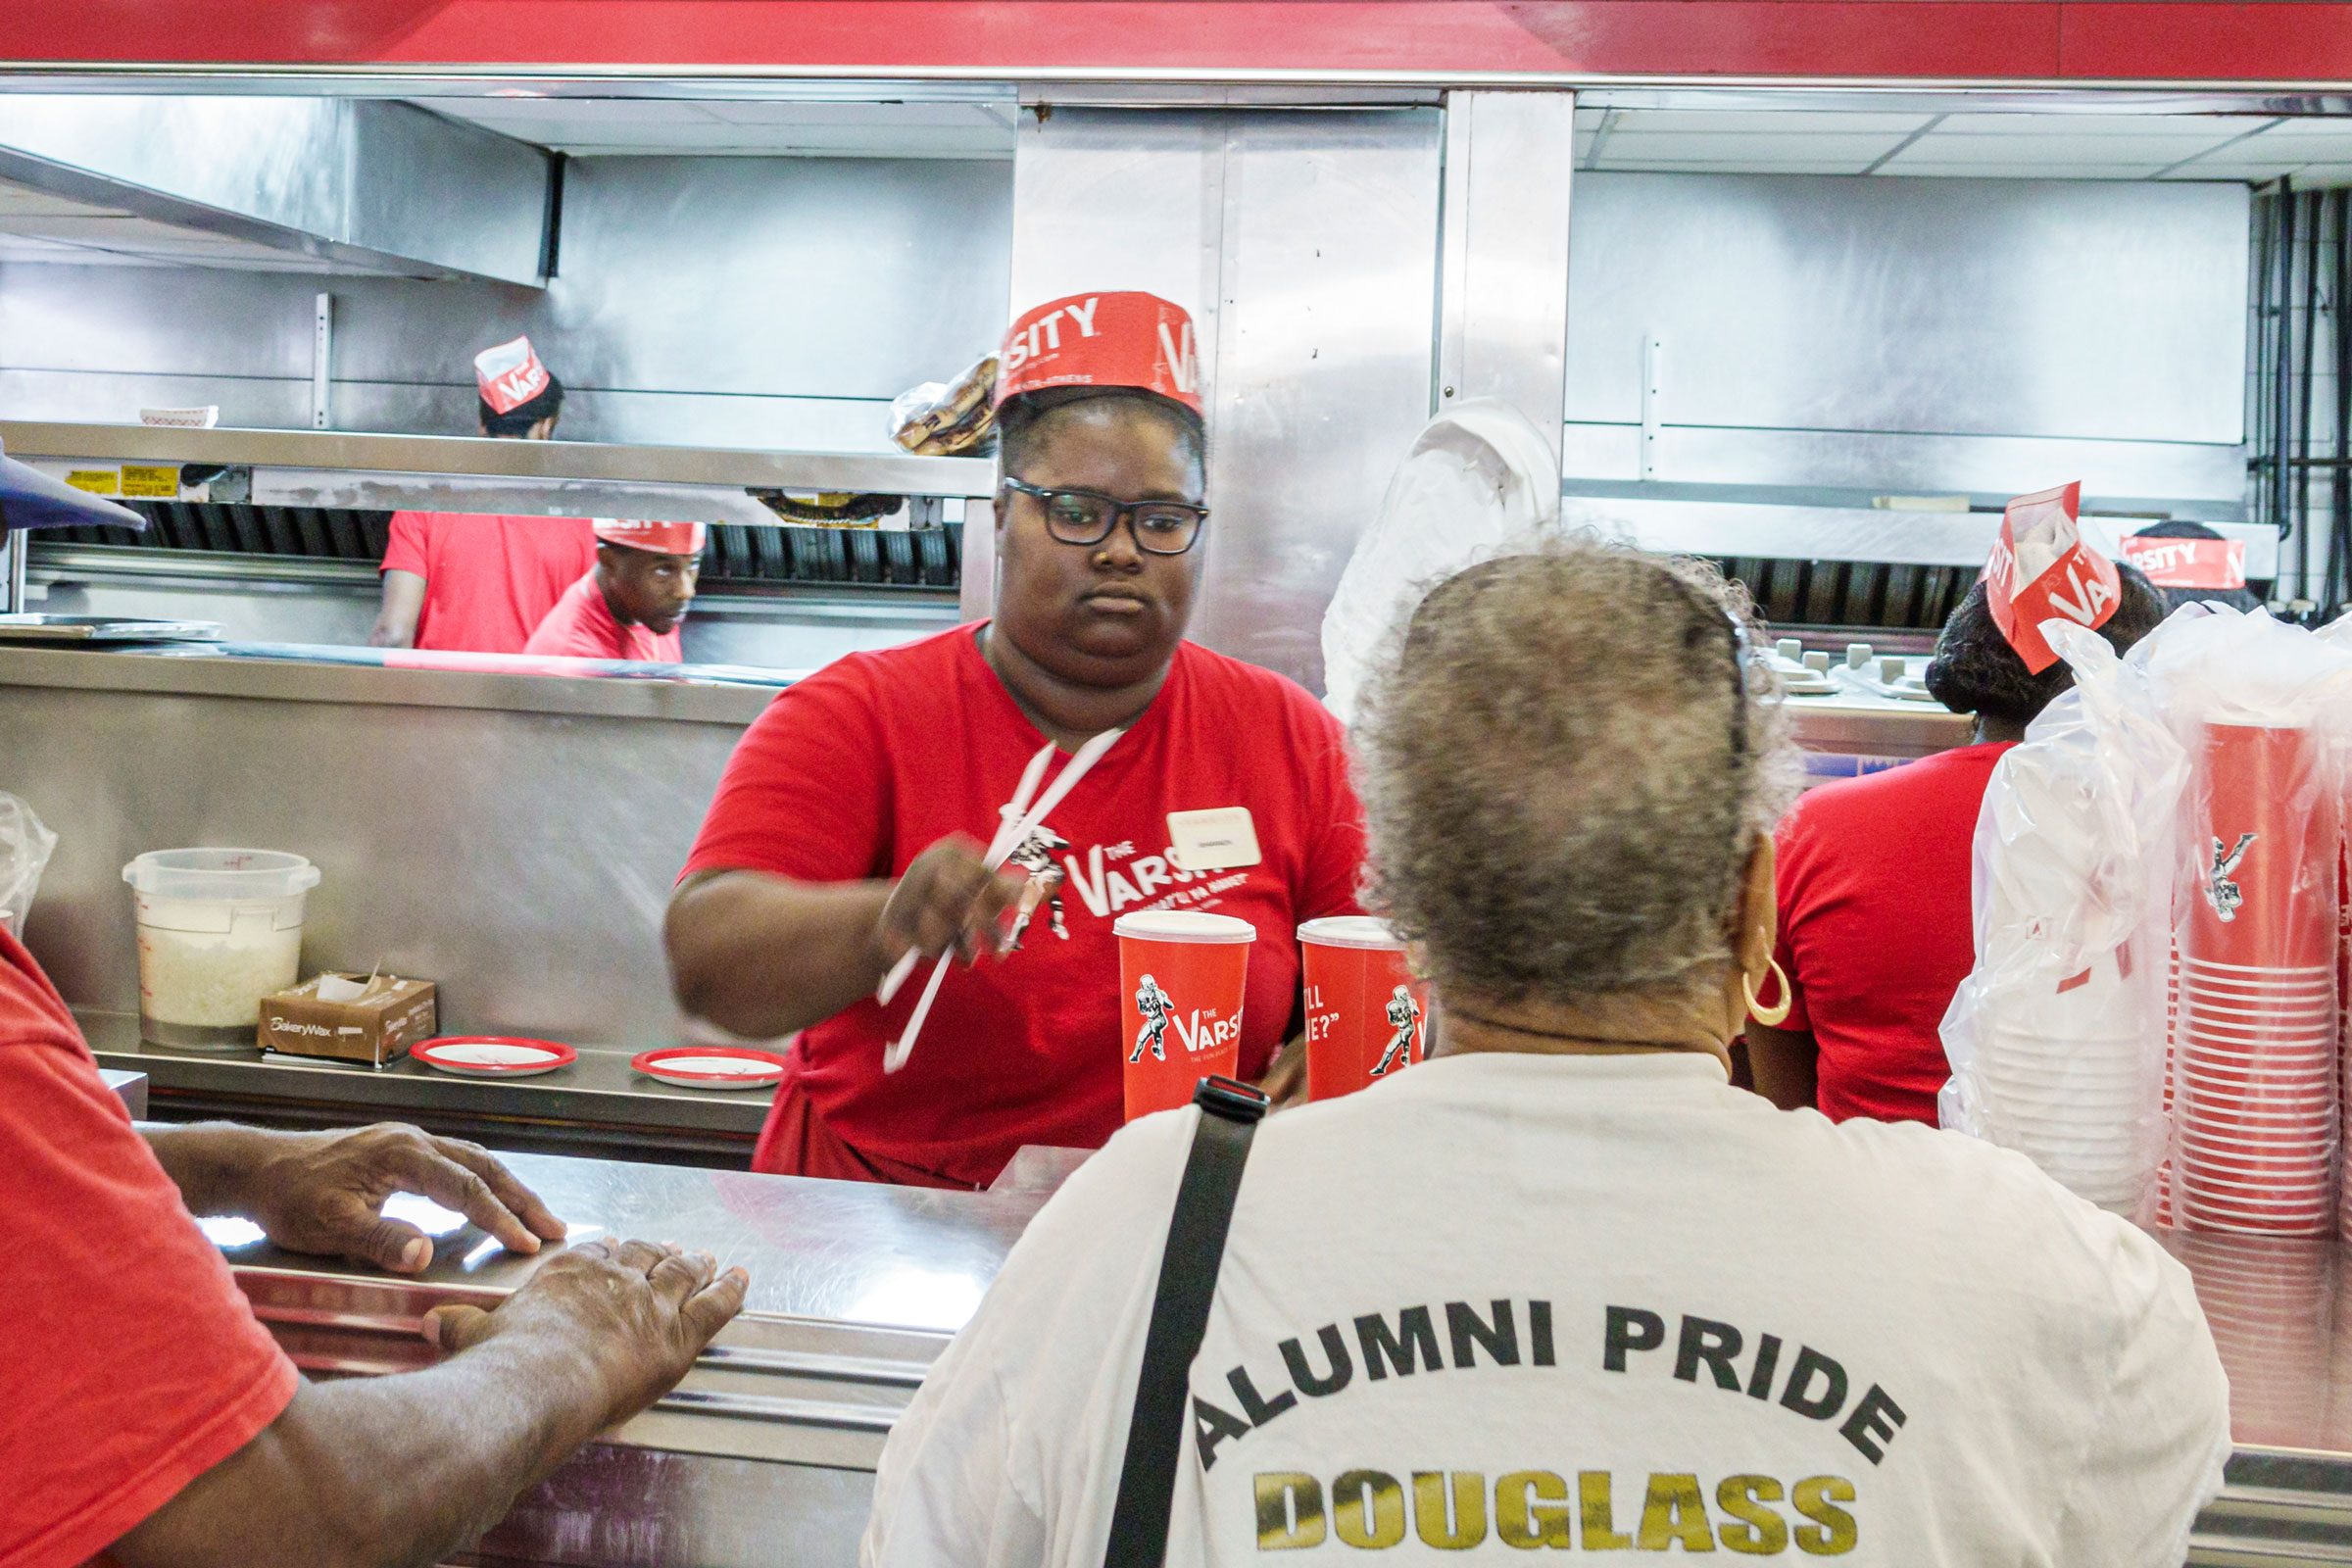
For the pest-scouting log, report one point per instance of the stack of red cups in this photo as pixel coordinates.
(2269, 1304)
(2256, 1092)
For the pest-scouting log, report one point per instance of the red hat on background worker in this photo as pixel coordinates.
(631, 601)
(2191, 564)
(520, 396)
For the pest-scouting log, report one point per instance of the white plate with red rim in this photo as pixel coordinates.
(494, 1055)
(711, 1067)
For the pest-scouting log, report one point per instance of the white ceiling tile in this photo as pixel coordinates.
(511, 114)
(2023, 151)
(2312, 176)
(1771, 121)
(2039, 169)
(2210, 129)
(1694, 147)
(2302, 140)
(1610, 164)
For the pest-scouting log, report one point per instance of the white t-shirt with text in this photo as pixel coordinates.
(1507, 1302)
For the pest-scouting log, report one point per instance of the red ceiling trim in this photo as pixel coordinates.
(1988, 40)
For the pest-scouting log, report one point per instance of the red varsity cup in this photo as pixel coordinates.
(1182, 974)
(2263, 830)
(1366, 1016)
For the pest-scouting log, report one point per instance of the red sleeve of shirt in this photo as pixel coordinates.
(807, 793)
(132, 1363)
(1793, 846)
(405, 550)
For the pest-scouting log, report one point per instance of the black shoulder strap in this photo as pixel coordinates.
(1230, 1112)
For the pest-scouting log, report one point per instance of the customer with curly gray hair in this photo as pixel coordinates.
(1561, 1285)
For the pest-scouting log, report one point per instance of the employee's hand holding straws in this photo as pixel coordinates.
(951, 902)
(959, 899)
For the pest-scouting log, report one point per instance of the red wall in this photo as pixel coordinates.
(2277, 41)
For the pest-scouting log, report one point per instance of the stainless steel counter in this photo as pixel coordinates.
(764, 1454)
(595, 1104)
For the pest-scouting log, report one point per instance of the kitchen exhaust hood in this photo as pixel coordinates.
(380, 185)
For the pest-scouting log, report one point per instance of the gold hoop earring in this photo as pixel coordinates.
(1773, 1017)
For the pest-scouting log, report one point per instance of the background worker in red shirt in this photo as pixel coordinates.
(1873, 880)
(482, 583)
(630, 603)
(847, 828)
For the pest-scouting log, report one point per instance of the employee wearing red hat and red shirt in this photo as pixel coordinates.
(1873, 873)
(848, 826)
(482, 583)
(630, 603)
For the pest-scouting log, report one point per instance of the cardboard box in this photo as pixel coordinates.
(376, 1027)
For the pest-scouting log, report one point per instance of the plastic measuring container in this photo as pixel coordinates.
(218, 930)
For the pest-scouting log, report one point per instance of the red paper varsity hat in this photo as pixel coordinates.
(2042, 570)
(1124, 339)
(510, 376)
(663, 538)
(2189, 562)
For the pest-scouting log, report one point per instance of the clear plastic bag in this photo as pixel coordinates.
(26, 844)
(2056, 1038)
(2155, 1016)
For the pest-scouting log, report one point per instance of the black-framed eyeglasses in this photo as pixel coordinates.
(1087, 518)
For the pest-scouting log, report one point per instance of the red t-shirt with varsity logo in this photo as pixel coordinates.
(853, 772)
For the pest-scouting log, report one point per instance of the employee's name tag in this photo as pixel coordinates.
(1219, 840)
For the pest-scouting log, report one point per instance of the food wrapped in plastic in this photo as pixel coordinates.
(2056, 1038)
(939, 418)
(26, 844)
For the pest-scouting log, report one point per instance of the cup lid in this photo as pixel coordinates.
(1352, 931)
(1183, 925)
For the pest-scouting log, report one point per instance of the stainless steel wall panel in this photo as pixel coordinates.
(1305, 244)
(2001, 307)
(2192, 481)
(521, 860)
(1503, 311)
(382, 184)
(701, 301)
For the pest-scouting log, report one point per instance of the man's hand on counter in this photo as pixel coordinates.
(644, 1312)
(324, 1192)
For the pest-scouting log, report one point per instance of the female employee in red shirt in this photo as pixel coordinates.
(847, 828)
(1874, 877)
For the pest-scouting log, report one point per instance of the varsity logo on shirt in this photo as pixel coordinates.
(1111, 879)
(1036, 857)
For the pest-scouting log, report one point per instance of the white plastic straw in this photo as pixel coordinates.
(996, 851)
(1009, 837)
